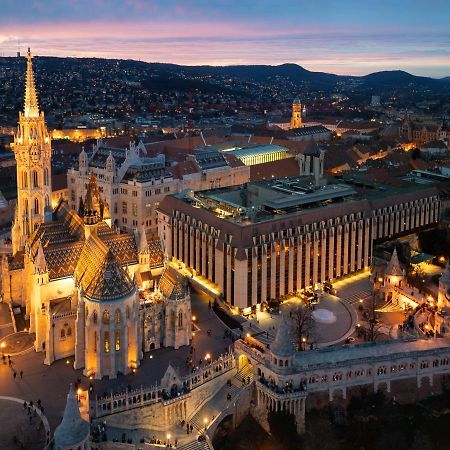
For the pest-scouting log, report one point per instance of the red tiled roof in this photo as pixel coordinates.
(282, 168)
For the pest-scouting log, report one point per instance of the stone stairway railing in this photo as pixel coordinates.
(144, 396)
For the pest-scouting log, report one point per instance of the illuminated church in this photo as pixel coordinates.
(89, 290)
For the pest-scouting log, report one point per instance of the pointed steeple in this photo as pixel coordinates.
(31, 107)
(91, 211)
(40, 263)
(143, 243)
(73, 429)
(394, 268)
(282, 344)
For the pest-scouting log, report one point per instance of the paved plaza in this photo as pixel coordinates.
(50, 384)
(20, 429)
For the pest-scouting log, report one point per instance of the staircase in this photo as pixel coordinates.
(195, 445)
(219, 402)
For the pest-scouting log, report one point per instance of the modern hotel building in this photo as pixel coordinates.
(262, 240)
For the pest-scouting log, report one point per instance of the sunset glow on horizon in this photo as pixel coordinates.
(325, 36)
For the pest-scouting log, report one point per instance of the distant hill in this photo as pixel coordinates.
(398, 78)
(236, 80)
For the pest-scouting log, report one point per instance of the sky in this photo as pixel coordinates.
(339, 36)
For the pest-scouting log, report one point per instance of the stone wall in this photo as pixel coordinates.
(154, 416)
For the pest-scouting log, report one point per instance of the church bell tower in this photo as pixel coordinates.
(32, 150)
(296, 118)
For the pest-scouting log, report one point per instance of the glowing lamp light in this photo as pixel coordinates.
(3, 345)
(205, 420)
(248, 335)
(67, 361)
(194, 318)
(303, 339)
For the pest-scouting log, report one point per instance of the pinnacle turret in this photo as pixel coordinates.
(73, 430)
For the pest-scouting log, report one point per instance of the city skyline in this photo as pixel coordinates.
(339, 38)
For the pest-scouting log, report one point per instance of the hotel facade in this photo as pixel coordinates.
(267, 239)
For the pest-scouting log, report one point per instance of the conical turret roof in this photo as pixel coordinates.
(282, 345)
(394, 268)
(72, 429)
(110, 281)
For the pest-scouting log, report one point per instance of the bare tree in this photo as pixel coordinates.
(373, 323)
(303, 326)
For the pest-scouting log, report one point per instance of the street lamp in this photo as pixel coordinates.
(79, 391)
(205, 421)
(168, 436)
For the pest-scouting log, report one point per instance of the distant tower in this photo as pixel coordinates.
(73, 431)
(296, 119)
(33, 151)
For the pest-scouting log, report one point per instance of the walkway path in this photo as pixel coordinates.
(15, 422)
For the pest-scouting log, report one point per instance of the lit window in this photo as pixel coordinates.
(117, 340)
(106, 342)
(106, 317)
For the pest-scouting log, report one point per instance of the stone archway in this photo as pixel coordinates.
(243, 361)
(222, 429)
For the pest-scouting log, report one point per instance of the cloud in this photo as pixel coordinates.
(340, 38)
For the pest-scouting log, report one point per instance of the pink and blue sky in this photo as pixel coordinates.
(340, 36)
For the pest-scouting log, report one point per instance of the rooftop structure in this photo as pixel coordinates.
(250, 153)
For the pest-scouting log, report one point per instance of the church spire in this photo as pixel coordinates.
(31, 107)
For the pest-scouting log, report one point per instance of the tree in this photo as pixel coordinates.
(303, 326)
(373, 330)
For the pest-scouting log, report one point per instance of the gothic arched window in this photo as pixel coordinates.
(36, 206)
(35, 179)
(94, 317)
(63, 333)
(128, 312)
(117, 316)
(106, 316)
(45, 177)
(69, 331)
(106, 342)
(180, 319)
(24, 179)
